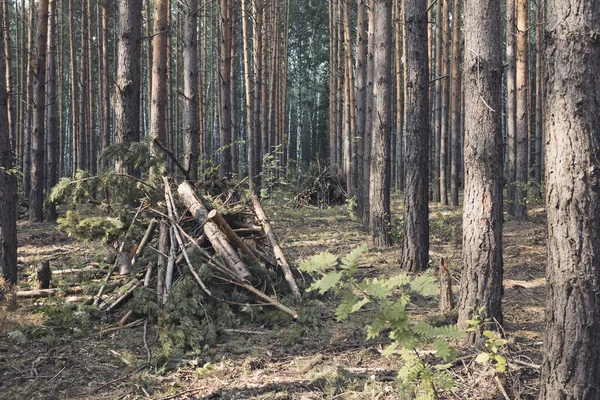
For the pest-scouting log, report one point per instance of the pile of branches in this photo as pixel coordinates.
(191, 238)
(229, 250)
(324, 187)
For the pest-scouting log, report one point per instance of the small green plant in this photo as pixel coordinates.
(493, 343)
(419, 377)
(351, 207)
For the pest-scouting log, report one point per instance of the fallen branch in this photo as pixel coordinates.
(263, 296)
(41, 293)
(281, 261)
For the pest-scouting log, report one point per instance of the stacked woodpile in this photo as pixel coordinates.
(230, 245)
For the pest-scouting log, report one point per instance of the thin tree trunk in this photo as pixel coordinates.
(248, 87)
(190, 90)
(415, 251)
(9, 81)
(571, 71)
(399, 67)
(27, 151)
(539, 93)
(8, 184)
(379, 193)
(360, 99)
(435, 163)
(455, 83)
(511, 105)
(481, 279)
(332, 84)
(445, 49)
(158, 110)
(52, 104)
(36, 196)
(369, 117)
(104, 76)
(522, 125)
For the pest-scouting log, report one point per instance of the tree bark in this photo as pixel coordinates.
(379, 193)
(52, 118)
(127, 91)
(225, 87)
(36, 196)
(415, 251)
(522, 124)
(191, 132)
(8, 185)
(572, 105)
(511, 106)
(481, 279)
(444, 123)
(158, 109)
(455, 86)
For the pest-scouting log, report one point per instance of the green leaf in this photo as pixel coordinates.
(320, 262)
(351, 260)
(344, 309)
(444, 350)
(482, 358)
(472, 322)
(390, 349)
(488, 334)
(424, 285)
(360, 304)
(500, 342)
(328, 281)
(500, 363)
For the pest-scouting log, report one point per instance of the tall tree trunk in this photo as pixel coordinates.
(9, 76)
(415, 251)
(481, 279)
(444, 125)
(36, 196)
(190, 90)
(127, 91)
(571, 73)
(379, 193)
(82, 142)
(104, 76)
(455, 89)
(258, 66)
(361, 98)
(511, 106)
(332, 84)
(539, 93)
(53, 127)
(522, 125)
(369, 117)
(437, 114)
(349, 126)
(248, 87)
(399, 68)
(158, 110)
(28, 122)
(225, 86)
(8, 184)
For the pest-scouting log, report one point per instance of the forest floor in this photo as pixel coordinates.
(51, 351)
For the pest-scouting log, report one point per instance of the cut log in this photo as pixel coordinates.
(145, 240)
(281, 261)
(215, 236)
(40, 293)
(163, 249)
(44, 275)
(446, 301)
(123, 262)
(87, 270)
(233, 238)
(120, 295)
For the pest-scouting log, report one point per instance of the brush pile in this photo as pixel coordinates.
(323, 187)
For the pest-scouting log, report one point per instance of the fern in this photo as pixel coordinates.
(390, 295)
